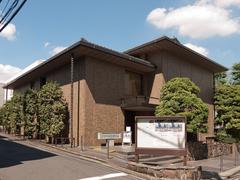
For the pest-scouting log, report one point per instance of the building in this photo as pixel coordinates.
(1, 94)
(4, 95)
(8, 93)
(105, 89)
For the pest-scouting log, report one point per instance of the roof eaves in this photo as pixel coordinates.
(145, 44)
(178, 44)
(198, 54)
(116, 53)
(88, 44)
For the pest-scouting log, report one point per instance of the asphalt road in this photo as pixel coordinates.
(22, 162)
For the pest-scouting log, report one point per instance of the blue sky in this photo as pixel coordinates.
(42, 28)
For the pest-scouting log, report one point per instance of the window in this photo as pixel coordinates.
(133, 84)
(42, 81)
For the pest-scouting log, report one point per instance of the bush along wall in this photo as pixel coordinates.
(36, 113)
(179, 97)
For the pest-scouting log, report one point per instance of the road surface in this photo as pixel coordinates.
(21, 162)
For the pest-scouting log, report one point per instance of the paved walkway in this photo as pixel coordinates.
(21, 161)
(120, 156)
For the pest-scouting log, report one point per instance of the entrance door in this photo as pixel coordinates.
(130, 119)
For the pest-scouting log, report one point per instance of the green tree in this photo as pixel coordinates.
(179, 97)
(15, 107)
(6, 111)
(1, 115)
(220, 78)
(227, 104)
(31, 125)
(236, 74)
(52, 109)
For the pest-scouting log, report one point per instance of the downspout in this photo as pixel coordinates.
(71, 104)
(214, 108)
(78, 111)
(6, 94)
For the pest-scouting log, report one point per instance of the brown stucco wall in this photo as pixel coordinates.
(22, 89)
(63, 77)
(99, 87)
(171, 65)
(103, 93)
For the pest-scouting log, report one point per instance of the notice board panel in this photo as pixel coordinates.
(160, 135)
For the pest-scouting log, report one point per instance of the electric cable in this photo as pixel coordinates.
(9, 11)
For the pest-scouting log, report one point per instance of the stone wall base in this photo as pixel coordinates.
(182, 172)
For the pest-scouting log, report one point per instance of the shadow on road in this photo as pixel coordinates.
(210, 175)
(12, 153)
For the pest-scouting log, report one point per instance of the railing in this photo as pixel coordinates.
(138, 101)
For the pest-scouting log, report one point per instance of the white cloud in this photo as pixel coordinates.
(9, 32)
(46, 44)
(202, 20)
(56, 50)
(7, 72)
(227, 3)
(198, 49)
(220, 3)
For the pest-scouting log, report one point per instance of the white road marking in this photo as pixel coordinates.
(107, 176)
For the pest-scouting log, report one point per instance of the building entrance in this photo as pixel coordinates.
(130, 120)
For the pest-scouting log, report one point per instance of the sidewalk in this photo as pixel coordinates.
(210, 167)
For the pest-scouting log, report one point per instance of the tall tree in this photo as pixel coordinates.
(220, 78)
(179, 97)
(5, 115)
(52, 109)
(227, 103)
(236, 74)
(30, 112)
(15, 106)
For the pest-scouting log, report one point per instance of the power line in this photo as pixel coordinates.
(11, 11)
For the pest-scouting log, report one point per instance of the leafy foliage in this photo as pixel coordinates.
(236, 74)
(30, 112)
(179, 97)
(227, 101)
(52, 109)
(223, 136)
(5, 116)
(38, 111)
(11, 114)
(220, 78)
(16, 114)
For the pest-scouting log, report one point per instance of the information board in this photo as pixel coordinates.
(160, 134)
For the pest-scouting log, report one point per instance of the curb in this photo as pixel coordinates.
(91, 159)
(227, 174)
(75, 153)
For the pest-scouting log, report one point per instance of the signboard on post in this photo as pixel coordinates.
(161, 135)
(108, 137)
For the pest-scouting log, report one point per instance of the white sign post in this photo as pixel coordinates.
(127, 136)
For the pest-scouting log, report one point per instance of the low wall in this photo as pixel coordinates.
(182, 173)
(203, 150)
